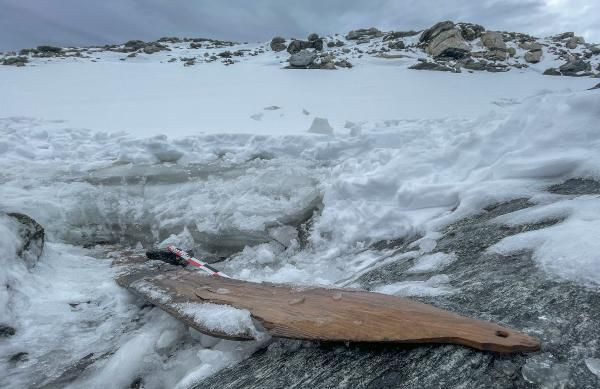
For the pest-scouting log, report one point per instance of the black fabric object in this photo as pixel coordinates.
(167, 256)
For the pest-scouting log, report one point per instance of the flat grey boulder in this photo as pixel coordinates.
(564, 35)
(575, 66)
(302, 59)
(574, 41)
(396, 45)
(399, 34)
(278, 44)
(551, 72)
(15, 61)
(531, 46)
(470, 31)
(495, 45)
(431, 66)
(364, 33)
(533, 56)
(492, 40)
(428, 35)
(448, 43)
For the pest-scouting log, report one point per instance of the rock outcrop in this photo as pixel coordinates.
(296, 46)
(15, 61)
(278, 44)
(302, 59)
(141, 46)
(495, 45)
(444, 40)
(364, 33)
(32, 237)
(435, 30)
(574, 67)
(426, 65)
(531, 46)
(470, 31)
(448, 44)
(533, 56)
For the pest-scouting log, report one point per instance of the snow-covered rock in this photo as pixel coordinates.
(302, 58)
(278, 44)
(448, 43)
(533, 56)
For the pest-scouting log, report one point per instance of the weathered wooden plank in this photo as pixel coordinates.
(316, 313)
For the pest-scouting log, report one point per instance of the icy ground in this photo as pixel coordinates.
(81, 153)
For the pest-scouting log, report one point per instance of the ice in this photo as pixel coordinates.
(220, 318)
(432, 262)
(569, 249)
(434, 286)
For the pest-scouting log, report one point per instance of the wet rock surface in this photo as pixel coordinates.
(278, 44)
(509, 289)
(32, 238)
(6, 331)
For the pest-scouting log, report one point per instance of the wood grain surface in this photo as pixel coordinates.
(316, 313)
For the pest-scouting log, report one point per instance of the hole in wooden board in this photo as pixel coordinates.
(502, 334)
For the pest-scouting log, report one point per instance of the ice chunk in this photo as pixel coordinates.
(220, 318)
(167, 339)
(320, 126)
(569, 249)
(593, 364)
(545, 371)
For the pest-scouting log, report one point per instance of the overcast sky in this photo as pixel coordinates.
(27, 23)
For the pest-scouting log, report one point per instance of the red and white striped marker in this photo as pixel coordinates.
(196, 262)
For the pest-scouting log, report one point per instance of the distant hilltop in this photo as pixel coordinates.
(446, 46)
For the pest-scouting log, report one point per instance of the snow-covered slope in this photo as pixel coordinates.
(219, 158)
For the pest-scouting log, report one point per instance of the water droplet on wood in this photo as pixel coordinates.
(296, 301)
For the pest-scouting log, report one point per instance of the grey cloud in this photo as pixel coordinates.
(26, 23)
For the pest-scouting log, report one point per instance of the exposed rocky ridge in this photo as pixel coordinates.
(485, 285)
(445, 46)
